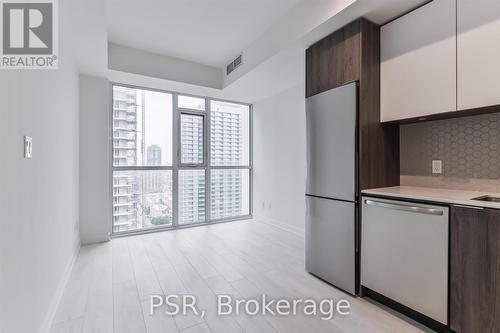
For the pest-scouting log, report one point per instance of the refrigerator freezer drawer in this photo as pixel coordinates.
(404, 254)
(330, 241)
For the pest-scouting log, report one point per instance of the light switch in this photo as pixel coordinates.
(437, 167)
(28, 147)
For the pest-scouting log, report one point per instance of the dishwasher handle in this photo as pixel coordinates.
(406, 208)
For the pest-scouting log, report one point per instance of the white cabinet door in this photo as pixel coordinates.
(478, 50)
(418, 62)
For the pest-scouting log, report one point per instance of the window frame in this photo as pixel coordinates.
(202, 114)
(231, 167)
(176, 161)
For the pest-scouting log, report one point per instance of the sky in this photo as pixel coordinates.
(158, 120)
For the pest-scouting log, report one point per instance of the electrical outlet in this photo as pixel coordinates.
(437, 167)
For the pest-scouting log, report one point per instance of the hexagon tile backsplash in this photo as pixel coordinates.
(469, 147)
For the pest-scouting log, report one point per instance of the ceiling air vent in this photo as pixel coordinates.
(237, 61)
(229, 68)
(234, 64)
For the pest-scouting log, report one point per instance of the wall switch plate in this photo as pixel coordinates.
(28, 147)
(437, 167)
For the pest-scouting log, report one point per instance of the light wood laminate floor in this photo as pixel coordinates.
(110, 286)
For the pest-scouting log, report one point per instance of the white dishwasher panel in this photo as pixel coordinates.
(404, 254)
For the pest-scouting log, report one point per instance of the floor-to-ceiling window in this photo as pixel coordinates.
(229, 159)
(178, 159)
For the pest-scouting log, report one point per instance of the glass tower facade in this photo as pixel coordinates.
(125, 141)
(226, 146)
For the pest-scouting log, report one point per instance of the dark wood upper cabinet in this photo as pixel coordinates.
(474, 270)
(334, 60)
(352, 53)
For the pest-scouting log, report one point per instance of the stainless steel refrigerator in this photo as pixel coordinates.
(331, 215)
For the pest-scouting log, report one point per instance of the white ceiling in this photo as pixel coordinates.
(210, 32)
(268, 75)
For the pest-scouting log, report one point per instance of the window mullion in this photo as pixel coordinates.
(250, 158)
(175, 160)
(208, 186)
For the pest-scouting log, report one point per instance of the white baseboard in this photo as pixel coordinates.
(280, 225)
(49, 317)
(94, 238)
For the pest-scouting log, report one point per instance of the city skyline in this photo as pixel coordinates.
(144, 198)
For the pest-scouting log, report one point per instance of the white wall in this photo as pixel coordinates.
(280, 159)
(90, 36)
(127, 59)
(286, 31)
(38, 196)
(95, 202)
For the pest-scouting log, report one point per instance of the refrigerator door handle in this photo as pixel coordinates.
(406, 208)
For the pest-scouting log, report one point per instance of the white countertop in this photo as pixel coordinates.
(457, 197)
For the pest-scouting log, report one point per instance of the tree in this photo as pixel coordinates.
(159, 220)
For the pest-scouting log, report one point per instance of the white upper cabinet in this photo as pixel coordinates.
(478, 50)
(418, 62)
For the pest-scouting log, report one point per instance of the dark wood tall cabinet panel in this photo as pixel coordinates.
(352, 53)
(475, 270)
(378, 145)
(334, 60)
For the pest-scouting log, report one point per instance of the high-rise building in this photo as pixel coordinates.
(126, 152)
(153, 182)
(124, 201)
(191, 196)
(124, 126)
(153, 154)
(192, 139)
(192, 182)
(225, 149)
